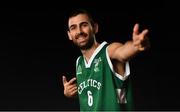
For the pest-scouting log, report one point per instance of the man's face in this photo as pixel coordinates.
(81, 31)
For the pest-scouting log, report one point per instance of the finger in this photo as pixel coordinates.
(141, 48)
(143, 36)
(73, 89)
(74, 92)
(71, 86)
(136, 30)
(64, 80)
(144, 33)
(72, 80)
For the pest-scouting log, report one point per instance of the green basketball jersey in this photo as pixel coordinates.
(99, 86)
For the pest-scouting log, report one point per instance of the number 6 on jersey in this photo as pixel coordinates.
(90, 98)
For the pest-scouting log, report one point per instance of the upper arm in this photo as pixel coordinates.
(113, 51)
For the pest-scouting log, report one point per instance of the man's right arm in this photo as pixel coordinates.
(70, 88)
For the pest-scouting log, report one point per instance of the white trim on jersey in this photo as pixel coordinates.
(88, 64)
(77, 61)
(127, 68)
(77, 64)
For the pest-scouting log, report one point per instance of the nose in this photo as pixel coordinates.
(79, 29)
(79, 32)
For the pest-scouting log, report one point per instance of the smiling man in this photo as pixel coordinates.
(102, 72)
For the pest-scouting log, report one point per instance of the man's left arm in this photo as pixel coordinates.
(123, 52)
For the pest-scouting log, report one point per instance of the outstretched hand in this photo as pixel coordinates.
(70, 88)
(140, 39)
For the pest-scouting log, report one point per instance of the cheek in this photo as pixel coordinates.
(88, 30)
(91, 31)
(71, 36)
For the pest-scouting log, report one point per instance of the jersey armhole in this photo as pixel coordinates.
(127, 68)
(77, 61)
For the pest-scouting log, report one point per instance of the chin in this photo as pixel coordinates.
(82, 44)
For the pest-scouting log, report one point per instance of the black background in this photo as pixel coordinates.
(35, 52)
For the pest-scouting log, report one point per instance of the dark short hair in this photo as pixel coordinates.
(81, 11)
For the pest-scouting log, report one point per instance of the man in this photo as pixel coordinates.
(102, 71)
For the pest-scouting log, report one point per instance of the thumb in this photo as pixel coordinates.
(64, 79)
(136, 29)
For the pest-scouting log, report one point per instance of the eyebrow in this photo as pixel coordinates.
(80, 24)
(84, 23)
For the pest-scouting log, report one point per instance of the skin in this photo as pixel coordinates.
(82, 33)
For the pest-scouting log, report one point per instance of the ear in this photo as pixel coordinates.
(96, 28)
(69, 35)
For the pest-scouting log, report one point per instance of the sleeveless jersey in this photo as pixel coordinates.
(100, 88)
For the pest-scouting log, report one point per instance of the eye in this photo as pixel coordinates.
(84, 25)
(72, 28)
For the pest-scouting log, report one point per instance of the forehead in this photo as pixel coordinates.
(78, 19)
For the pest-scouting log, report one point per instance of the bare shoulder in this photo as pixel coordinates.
(112, 48)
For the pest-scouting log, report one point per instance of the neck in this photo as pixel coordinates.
(88, 52)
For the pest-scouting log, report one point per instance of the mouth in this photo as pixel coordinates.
(81, 35)
(81, 39)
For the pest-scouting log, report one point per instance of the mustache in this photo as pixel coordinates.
(81, 34)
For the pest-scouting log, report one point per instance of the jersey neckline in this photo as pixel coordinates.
(88, 64)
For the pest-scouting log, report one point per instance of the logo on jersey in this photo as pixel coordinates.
(86, 84)
(97, 61)
(79, 70)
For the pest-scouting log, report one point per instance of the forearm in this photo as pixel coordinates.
(127, 51)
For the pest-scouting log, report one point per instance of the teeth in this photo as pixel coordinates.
(81, 37)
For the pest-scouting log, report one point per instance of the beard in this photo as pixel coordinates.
(87, 44)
